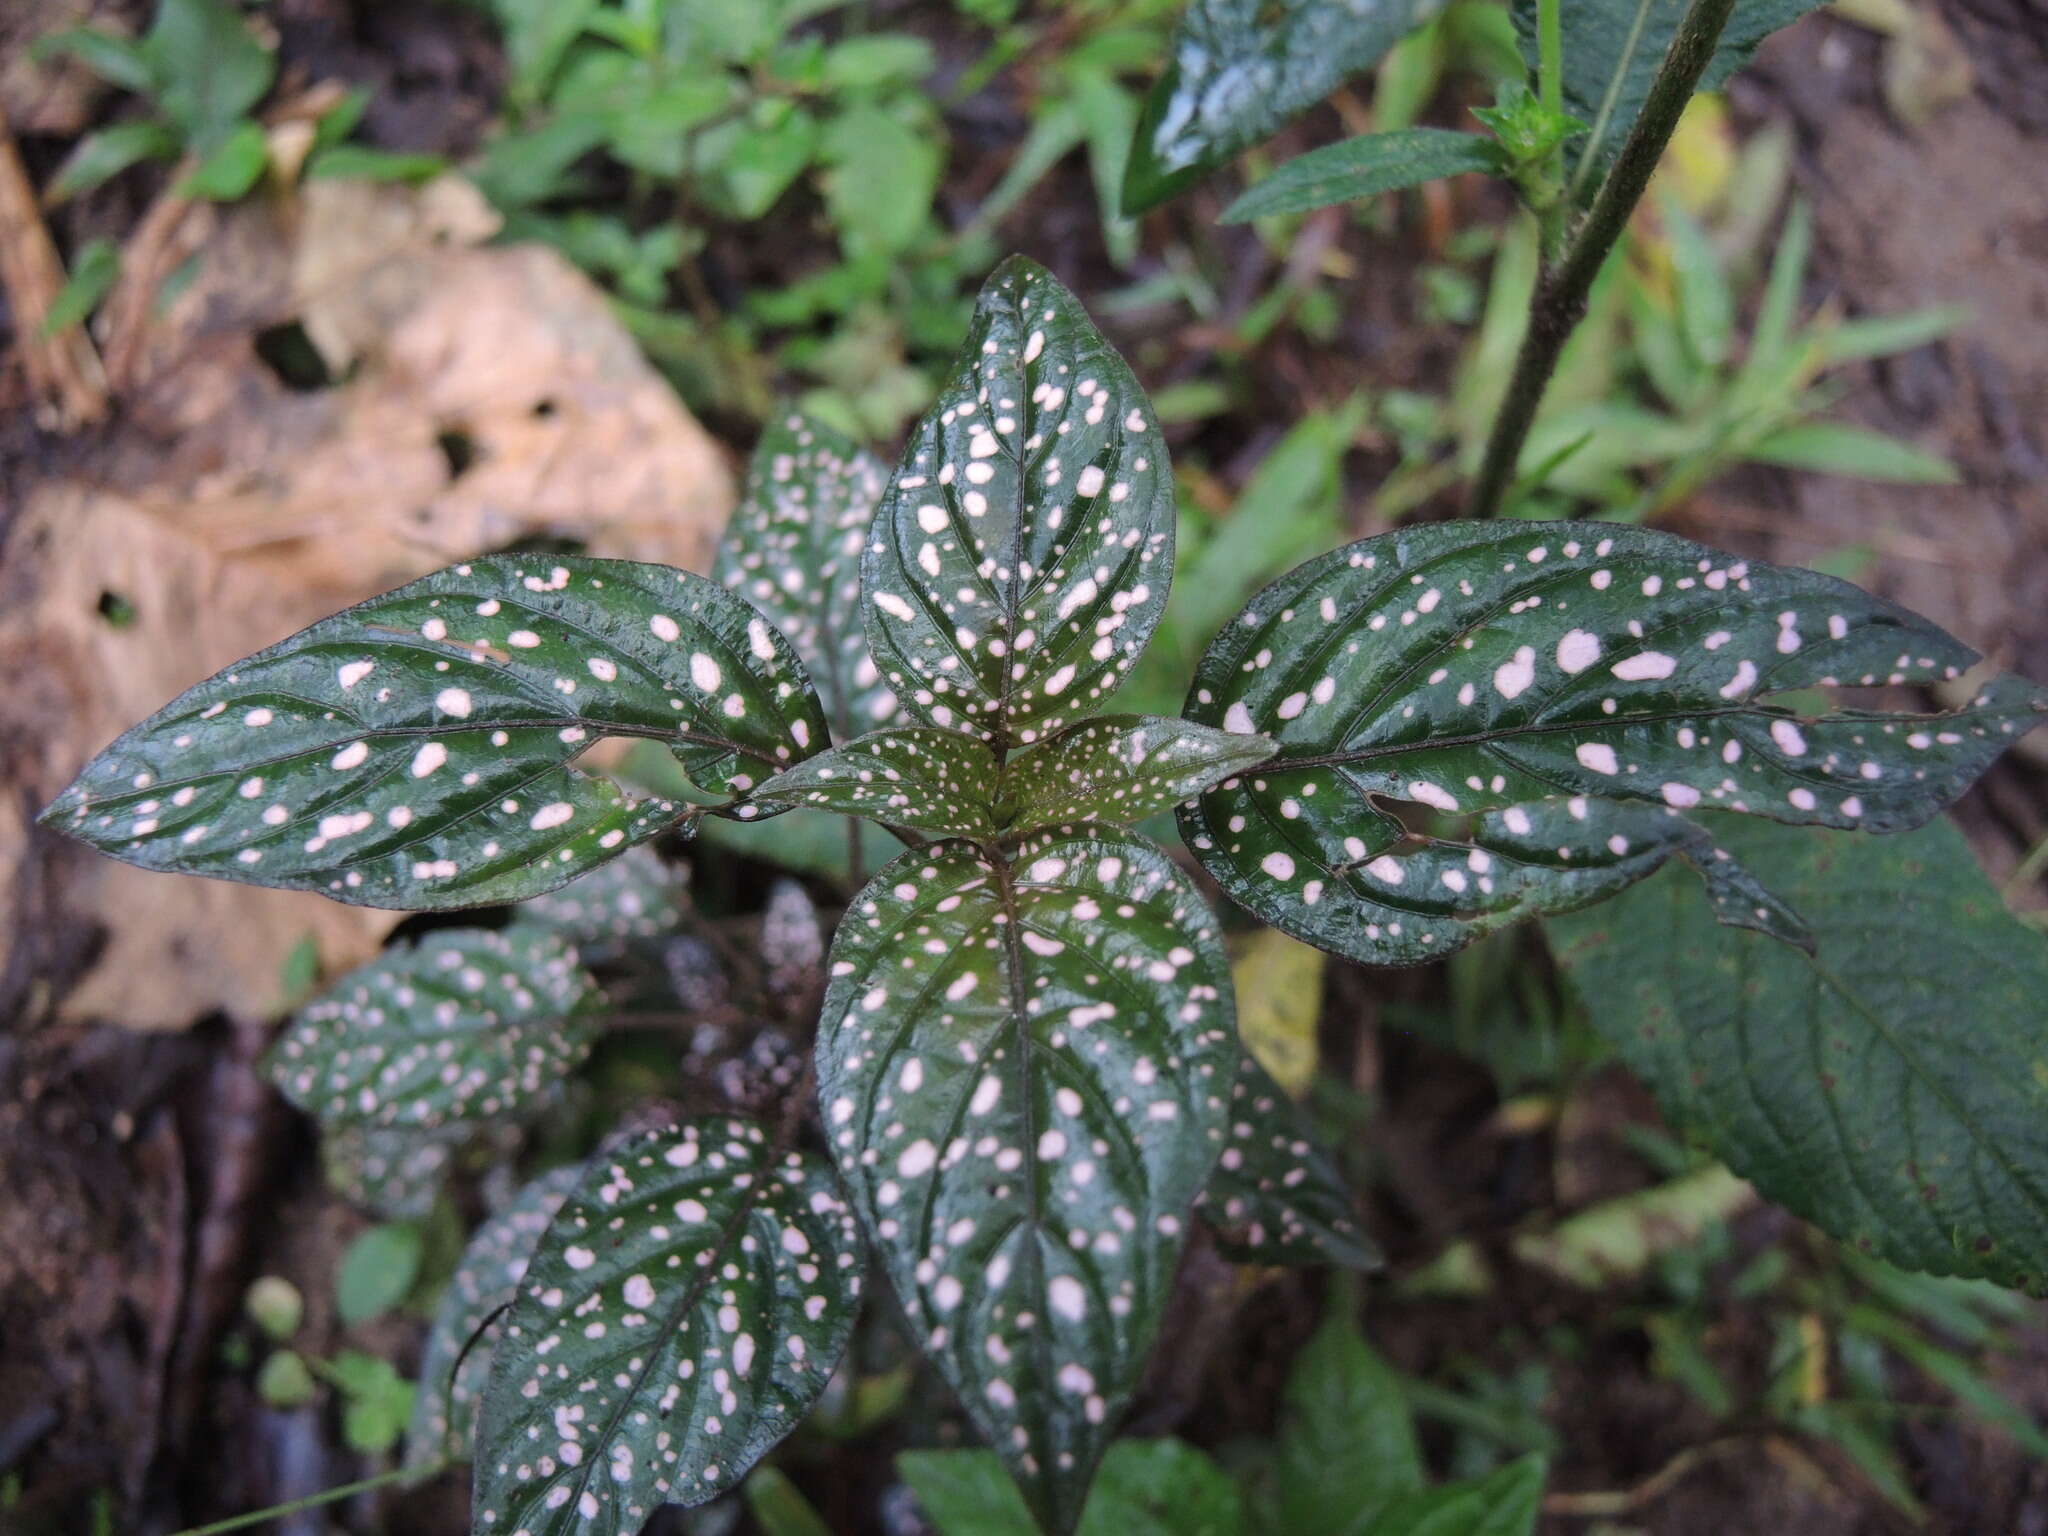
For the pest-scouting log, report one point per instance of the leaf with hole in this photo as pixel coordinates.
(911, 776)
(1849, 1086)
(1021, 556)
(465, 1024)
(1025, 1070)
(1119, 769)
(1365, 167)
(1556, 682)
(414, 750)
(680, 1316)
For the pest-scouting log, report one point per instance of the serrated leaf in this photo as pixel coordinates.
(1503, 1503)
(1240, 68)
(684, 1310)
(455, 1362)
(1021, 557)
(1275, 1196)
(630, 902)
(913, 776)
(793, 550)
(466, 1024)
(413, 751)
(1025, 1073)
(1503, 671)
(1365, 167)
(1120, 769)
(1890, 1089)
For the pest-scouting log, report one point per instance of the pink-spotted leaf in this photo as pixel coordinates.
(1025, 1073)
(628, 904)
(465, 1024)
(1119, 769)
(1276, 1196)
(414, 751)
(1504, 670)
(793, 550)
(1020, 559)
(456, 1362)
(681, 1315)
(911, 776)
(393, 1174)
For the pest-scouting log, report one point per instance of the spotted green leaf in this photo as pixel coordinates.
(1021, 556)
(465, 1024)
(913, 776)
(1238, 69)
(413, 751)
(629, 903)
(456, 1362)
(1504, 671)
(1025, 1070)
(393, 1174)
(680, 1316)
(1889, 1088)
(793, 551)
(1121, 769)
(1276, 1196)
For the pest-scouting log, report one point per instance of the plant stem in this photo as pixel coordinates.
(312, 1501)
(1550, 54)
(1560, 300)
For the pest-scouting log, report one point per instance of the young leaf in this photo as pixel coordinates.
(916, 776)
(1503, 1503)
(682, 1313)
(1365, 167)
(376, 1272)
(1119, 769)
(413, 751)
(1025, 1072)
(629, 902)
(456, 1361)
(1851, 1086)
(1474, 668)
(209, 68)
(466, 1024)
(793, 551)
(1145, 1488)
(1275, 1196)
(1021, 557)
(1241, 68)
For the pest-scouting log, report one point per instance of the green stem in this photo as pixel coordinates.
(313, 1500)
(1560, 300)
(1550, 54)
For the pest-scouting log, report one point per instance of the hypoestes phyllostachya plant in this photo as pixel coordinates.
(1027, 1069)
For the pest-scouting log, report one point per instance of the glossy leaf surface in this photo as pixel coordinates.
(455, 1363)
(413, 751)
(1025, 1074)
(465, 1024)
(1239, 69)
(1021, 557)
(1555, 681)
(682, 1313)
(1119, 769)
(1365, 167)
(1888, 1089)
(913, 776)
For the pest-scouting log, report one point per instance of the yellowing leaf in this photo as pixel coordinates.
(1279, 994)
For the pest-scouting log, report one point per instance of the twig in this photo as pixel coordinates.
(1610, 1503)
(63, 370)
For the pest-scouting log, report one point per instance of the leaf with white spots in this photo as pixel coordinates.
(683, 1312)
(793, 550)
(465, 1024)
(1119, 769)
(1564, 684)
(414, 751)
(914, 776)
(1021, 557)
(393, 1174)
(617, 907)
(1025, 1071)
(1276, 1196)
(456, 1361)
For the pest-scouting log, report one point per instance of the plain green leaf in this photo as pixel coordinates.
(359, 162)
(779, 1509)
(1364, 167)
(232, 169)
(1840, 448)
(377, 1400)
(882, 179)
(860, 63)
(93, 271)
(1145, 1488)
(211, 70)
(762, 161)
(1506, 1503)
(101, 156)
(538, 34)
(120, 61)
(376, 1272)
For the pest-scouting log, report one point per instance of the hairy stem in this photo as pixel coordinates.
(1560, 300)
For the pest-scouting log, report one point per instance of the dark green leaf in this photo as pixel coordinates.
(1021, 557)
(1276, 1197)
(1241, 68)
(1119, 769)
(913, 776)
(396, 1175)
(117, 60)
(376, 1271)
(210, 70)
(413, 751)
(359, 162)
(1025, 1072)
(1365, 167)
(779, 1509)
(616, 907)
(467, 1024)
(1890, 1089)
(93, 271)
(455, 1363)
(101, 156)
(1572, 687)
(683, 1312)
(1505, 1503)
(1145, 1488)
(233, 167)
